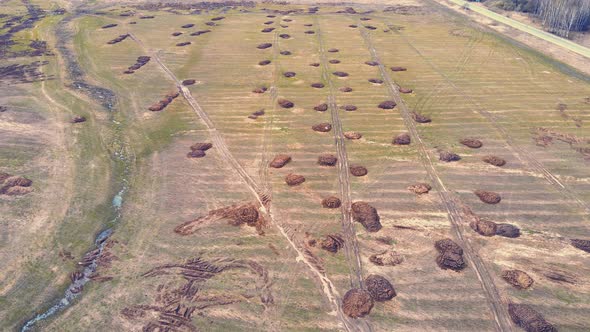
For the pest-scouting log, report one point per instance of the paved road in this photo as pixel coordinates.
(565, 43)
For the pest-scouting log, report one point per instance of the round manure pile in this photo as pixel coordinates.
(327, 160)
(448, 156)
(309, 32)
(176, 34)
(340, 74)
(294, 179)
(331, 202)
(357, 303)
(314, 64)
(420, 188)
(353, 135)
(333, 50)
(527, 318)
(387, 105)
(264, 46)
(345, 89)
(186, 26)
(358, 170)
(494, 160)
(264, 62)
(386, 258)
(507, 230)
(285, 53)
(266, 30)
(17, 181)
(420, 118)
(188, 82)
(317, 85)
(280, 161)
(269, 22)
(370, 27)
(284, 103)
(372, 63)
(183, 44)
(405, 90)
(201, 146)
(247, 214)
(402, 139)
(261, 89)
(78, 119)
(348, 108)
(366, 215)
(321, 107)
(375, 80)
(581, 244)
(517, 278)
(332, 243)
(471, 143)
(447, 244)
(353, 26)
(484, 227)
(323, 127)
(285, 36)
(365, 19)
(380, 288)
(196, 154)
(334, 61)
(289, 74)
(398, 69)
(488, 197)
(450, 260)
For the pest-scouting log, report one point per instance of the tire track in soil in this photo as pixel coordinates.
(351, 245)
(522, 154)
(328, 287)
(449, 200)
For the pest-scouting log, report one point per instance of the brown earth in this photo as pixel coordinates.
(280, 161)
(471, 142)
(386, 258)
(353, 135)
(327, 160)
(357, 303)
(494, 160)
(507, 230)
(358, 170)
(517, 278)
(331, 202)
(420, 188)
(581, 244)
(484, 227)
(488, 197)
(420, 118)
(294, 179)
(321, 107)
(375, 80)
(387, 105)
(364, 213)
(448, 156)
(323, 127)
(529, 319)
(332, 243)
(380, 288)
(284, 103)
(402, 139)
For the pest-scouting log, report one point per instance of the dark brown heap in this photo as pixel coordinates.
(189, 25)
(405, 90)
(284, 103)
(327, 160)
(386, 258)
(188, 82)
(285, 53)
(357, 303)
(264, 46)
(484, 227)
(451, 255)
(78, 119)
(375, 80)
(448, 156)
(353, 135)
(581, 244)
(280, 161)
(201, 146)
(294, 179)
(420, 118)
(200, 32)
(284, 36)
(333, 50)
(379, 288)
(398, 69)
(420, 188)
(334, 61)
(331, 202)
(507, 230)
(321, 107)
(118, 39)
(372, 63)
(340, 74)
(261, 89)
(493, 160)
(267, 30)
(517, 278)
(387, 105)
(345, 89)
(112, 25)
(176, 34)
(289, 74)
(14, 185)
(196, 154)
(314, 64)
(317, 85)
(348, 108)
(488, 197)
(332, 243)
(402, 139)
(529, 319)
(264, 62)
(367, 215)
(358, 170)
(323, 127)
(183, 43)
(471, 142)
(309, 32)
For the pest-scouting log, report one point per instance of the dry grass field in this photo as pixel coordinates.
(220, 242)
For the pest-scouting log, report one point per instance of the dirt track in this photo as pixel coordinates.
(449, 200)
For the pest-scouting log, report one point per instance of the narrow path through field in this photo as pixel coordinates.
(449, 199)
(328, 287)
(531, 162)
(351, 241)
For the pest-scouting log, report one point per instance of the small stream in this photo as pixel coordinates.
(121, 159)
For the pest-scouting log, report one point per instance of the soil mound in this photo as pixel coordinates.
(507, 230)
(353, 135)
(285, 53)
(387, 105)
(331, 202)
(4, 176)
(294, 179)
(289, 74)
(200, 32)
(484, 227)
(211, 24)
(159, 106)
(196, 154)
(309, 32)
(365, 19)
(140, 62)
(471, 143)
(340, 74)
(333, 50)
(317, 85)
(247, 214)
(494, 160)
(285, 36)
(218, 18)
(358, 170)
(323, 127)
(118, 39)
(488, 197)
(348, 108)
(308, 25)
(78, 119)
(261, 89)
(398, 69)
(353, 26)
(334, 61)
(379, 288)
(15, 182)
(280, 161)
(449, 260)
(183, 43)
(449, 245)
(386, 258)
(517, 278)
(367, 215)
(420, 188)
(372, 63)
(357, 303)
(332, 243)
(529, 319)
(264, 62)
(581, 244)
(370, 27)
(201, 146)
(405, 90)
(402, 139)
(375, 81)
(321, 107)
(327, 160)
(420, 118)
(269, 22)
(448, 156)
(112, 25)
(345, 89)
(284, 103)
(176, 34)
(188, 82)
(18, 191)
(267, 30)
(264, 46)
(20, 181)
(186, 26)
(256, 114)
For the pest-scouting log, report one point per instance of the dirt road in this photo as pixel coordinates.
(448, 199)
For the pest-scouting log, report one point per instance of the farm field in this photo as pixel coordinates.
(128, 224)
